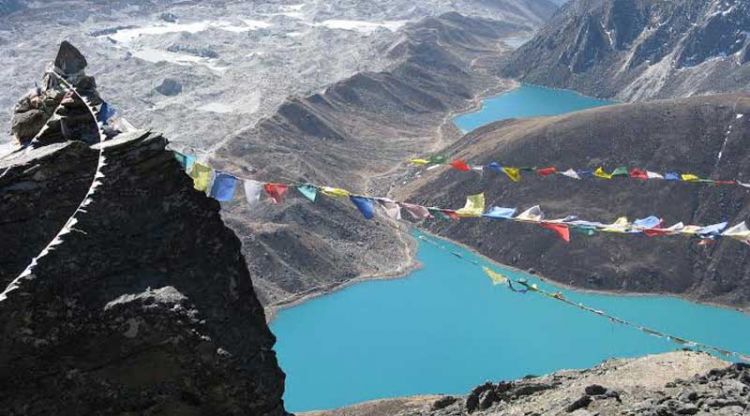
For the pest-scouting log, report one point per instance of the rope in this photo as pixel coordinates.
(72, 220)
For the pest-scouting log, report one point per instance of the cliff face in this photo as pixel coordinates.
(679, 383)
(356, 134)
(641, 49)
(687, 134)
(147, 307)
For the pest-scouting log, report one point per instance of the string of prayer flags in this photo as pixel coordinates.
(275, 191)
(308, 191)
(223, 187)
(474, 207)
(514, 172)
(201, 175)
(495, 277)
(365, 205)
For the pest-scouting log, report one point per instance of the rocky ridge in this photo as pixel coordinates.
(640, 49)
(146, 307)
(678, 383)
(708, 135)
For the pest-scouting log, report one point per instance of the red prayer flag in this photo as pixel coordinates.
(561, 230)
(451, 214)
(655, 232)
(636, 173)
(275, 191)
(725, 183)
(461, 165)
(546, 171)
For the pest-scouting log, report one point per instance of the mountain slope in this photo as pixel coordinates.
(687, 134)
(640, 49)
(678, 383)
(356, 134)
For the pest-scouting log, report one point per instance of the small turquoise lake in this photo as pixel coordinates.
(526, 101)
(445, 329)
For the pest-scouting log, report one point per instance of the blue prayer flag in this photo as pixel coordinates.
(500, 213)
(364, 205)
(223, 187)
(672, 176)
(105, 113)
(648, 222)
(496, 167)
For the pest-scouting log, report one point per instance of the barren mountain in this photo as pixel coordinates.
(356, 134)
(708, 135)
(226, 64)
(641, 49)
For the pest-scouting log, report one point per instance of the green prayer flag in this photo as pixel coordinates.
(308, 191)
(437, 160)
(621, 171)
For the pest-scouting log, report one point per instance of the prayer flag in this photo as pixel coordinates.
(461, 165)
(584, 229)
(437, 160)
(335, 192)
(648, 222)
(619, 226)
(223, 187)
(571, 174)
(497, 278)
(689, 177)
(500, 213)
(419, 162)
(253, 191)
(584, 173)
(533, 214)
(513, 173)
(364, 205)
(725, 182)
(672, 176)
(654, 175)
(275, 191)
(561, 230)
(636, 173)
(738, 232)
(546, 171)
(438, 213)
(474, 206)
(495, 167)
(743, 184)
(620, 171)
(450, 214)
(418, 212)
(201, 175)
(600, 173)
(106, 112)
(712, 231)
(186, 161)
(308, 191)
(391, 208)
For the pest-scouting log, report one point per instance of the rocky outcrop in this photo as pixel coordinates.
(706, 135)
(145, 307)
(640, 49)
(679, 383)
(356, 134)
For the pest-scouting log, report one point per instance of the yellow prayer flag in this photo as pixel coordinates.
(497, 278)
(689, 177)
(201, 175)
(600, 173)
(513, 173)
(474, 206)
(619, 226)
(419, 162)
(335, 192)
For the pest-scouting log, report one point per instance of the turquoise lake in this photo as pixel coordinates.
(446, 329)
(526, 101)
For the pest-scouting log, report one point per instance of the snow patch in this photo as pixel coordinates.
(362, 26)
(127, 36)
(220, 108)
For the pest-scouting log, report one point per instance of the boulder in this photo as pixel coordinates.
(69, 59)
(169, 87)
